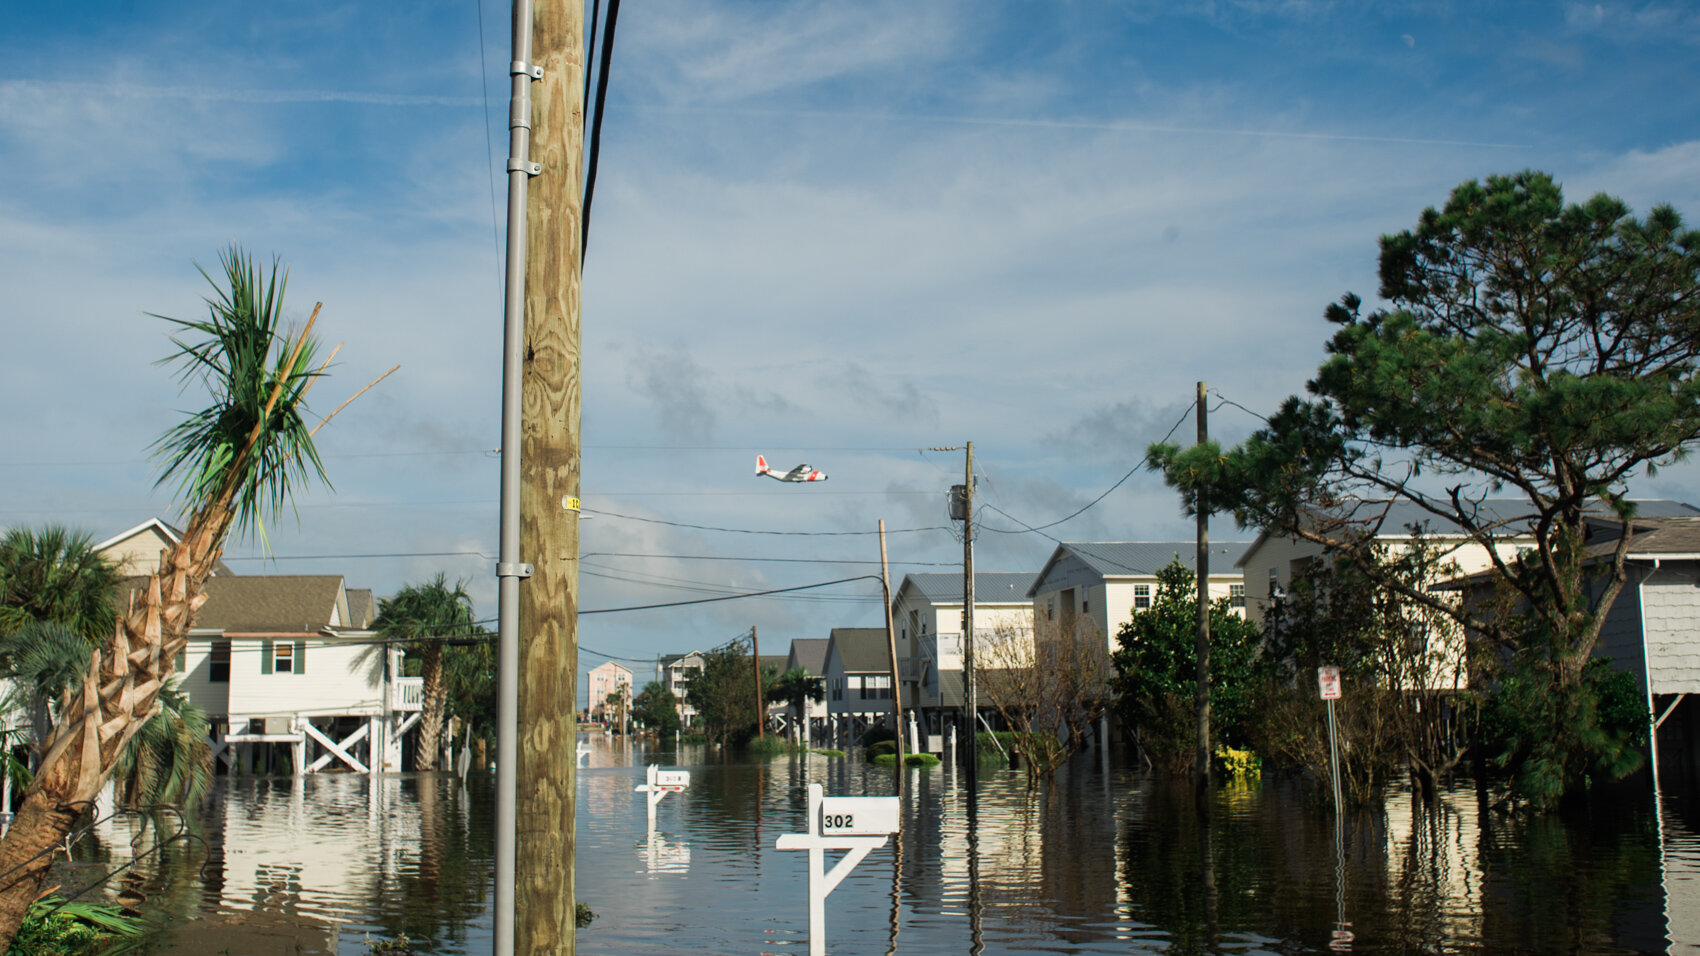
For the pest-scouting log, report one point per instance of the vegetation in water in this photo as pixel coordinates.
(53, 927)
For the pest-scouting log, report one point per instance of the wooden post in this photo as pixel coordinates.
(761, 698)
(1202, 776)
(544, 888)
(891, 646)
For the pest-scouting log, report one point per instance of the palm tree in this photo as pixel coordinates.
(425, 614)
(237, 462)
(796, 687)
(56, 575)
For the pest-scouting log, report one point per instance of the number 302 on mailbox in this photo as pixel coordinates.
(851, 816)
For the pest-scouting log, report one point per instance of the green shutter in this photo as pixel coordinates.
(265, 657)
(300, 657)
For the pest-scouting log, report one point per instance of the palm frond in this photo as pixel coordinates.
(252, 442)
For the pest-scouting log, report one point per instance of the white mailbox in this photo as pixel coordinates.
(858, 816)
(673, 778)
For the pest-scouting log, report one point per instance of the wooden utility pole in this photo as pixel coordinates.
(549, 475)
(1201, 502)
(761, 698)
(891, 647)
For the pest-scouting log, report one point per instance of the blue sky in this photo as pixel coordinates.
(830, 232)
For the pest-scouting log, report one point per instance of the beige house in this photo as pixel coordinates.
(1100, 584)
(927, 621)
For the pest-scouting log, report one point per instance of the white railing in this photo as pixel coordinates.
(407, 694)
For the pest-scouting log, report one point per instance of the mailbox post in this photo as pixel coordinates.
(855, 824)
(660, 784)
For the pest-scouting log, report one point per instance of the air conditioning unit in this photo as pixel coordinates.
(275, 725)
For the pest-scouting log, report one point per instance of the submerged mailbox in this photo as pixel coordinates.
(858, 816)
(672, 779)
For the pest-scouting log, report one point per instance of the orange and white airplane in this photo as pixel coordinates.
(799, 473)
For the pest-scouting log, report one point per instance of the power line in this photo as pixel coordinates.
(1144, 461)
(731, 597)
(798, 534)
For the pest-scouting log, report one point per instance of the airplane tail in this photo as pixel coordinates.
(761, 465)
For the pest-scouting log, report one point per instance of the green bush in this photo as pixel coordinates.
(53, 927)
(920, 760)
(882, 748)
(886, 760)
(987, 742)
(828, 753)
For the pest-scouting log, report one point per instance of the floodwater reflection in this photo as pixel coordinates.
(1104, 860)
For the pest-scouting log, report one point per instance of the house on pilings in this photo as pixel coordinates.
(287, 669)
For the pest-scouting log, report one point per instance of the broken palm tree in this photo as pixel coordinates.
(237, 462)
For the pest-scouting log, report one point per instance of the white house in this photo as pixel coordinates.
(926, 614)
(289, 660)
(674, 672)
(284, 662)
(1100, 584)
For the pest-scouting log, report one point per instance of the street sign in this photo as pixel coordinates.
(1328, 678)
(858, 816)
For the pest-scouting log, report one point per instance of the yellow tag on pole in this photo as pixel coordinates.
(569, 503)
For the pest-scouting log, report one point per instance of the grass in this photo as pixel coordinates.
(828, 753)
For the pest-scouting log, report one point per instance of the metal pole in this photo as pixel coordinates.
(1334, 761)
(509, 571)
(891, 648)
(1201, 505)
(970, 685)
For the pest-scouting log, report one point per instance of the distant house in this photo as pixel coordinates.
(858, 673)
(1272, 561)
(1100, 584)
(808, 654)
(926, 615)
(674, 672)
(609, 677)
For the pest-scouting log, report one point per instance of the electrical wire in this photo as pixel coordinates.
(596, 127)
(1143, 462)
(798, 534)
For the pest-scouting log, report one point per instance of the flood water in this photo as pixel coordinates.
(1107, 859)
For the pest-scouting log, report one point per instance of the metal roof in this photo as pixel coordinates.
(1121, 559)
(990, 587)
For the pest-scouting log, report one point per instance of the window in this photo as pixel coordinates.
(1142, 597)
(1236, 595)
(876, 688)
(218, 664)
(283, 657)
(181, 661)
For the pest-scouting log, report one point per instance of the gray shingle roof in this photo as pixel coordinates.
(269, 603)
(862, 650)
(990, 587)
(810, 654)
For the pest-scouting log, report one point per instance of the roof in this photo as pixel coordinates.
(1130, 559)
(269, 603)
(810, 654)
(1402, 516)
(361, 609)
(165, 530)
(1662, 538)
(775, 662)
(862, 649)
(990, 587)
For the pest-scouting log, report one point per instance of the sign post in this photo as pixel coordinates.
(855, 824)
(1328, 680)
(660, 784)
